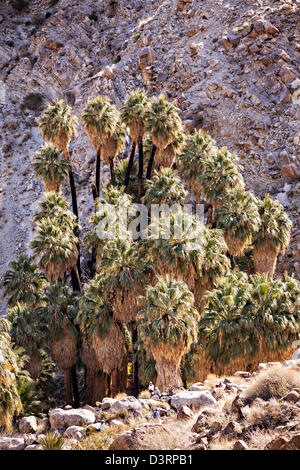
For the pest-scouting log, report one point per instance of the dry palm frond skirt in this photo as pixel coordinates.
(109, 150)
(168, 359)
(136, 130)
(163, 269)
(125, 303)
(110, 350)
(165, 157)
(89, 355)
(52, 185)
(265, 258)
(160, 141)
(64, 350)
(196, 188)
(55, 271)
(235, 246)
(61, 140)
(34, 366)
(201, 287)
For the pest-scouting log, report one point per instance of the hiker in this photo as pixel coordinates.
(151, 387)
(157, 392)
(155, 414)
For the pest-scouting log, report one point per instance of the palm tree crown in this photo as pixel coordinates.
(51, 166)
(133, 114)
(55, 207)
(165, 188)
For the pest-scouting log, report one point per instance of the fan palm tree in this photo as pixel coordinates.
(214, 267)
(10, 403)
(113, 145)
(220, 174)
(58, 313)
(103, 345)
(166, 158)
(57, 125)
(133, 115)
(178, 254)
(163, 123)
(123, 274)
(168, 326)
(51, 167)
(99, 118)
(27, 332)
(55, 207)
(198, 147)
(165, 188)
(23, 282)
(273, 235)
(238, 217)
(56, 249)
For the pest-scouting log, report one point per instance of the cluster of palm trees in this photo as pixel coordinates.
(172, 309)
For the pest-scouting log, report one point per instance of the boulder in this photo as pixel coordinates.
(107, 403)
(138, 438)
(292, 396)
(193, 399)
(63, 419)
(277, 443)
(74, 432)
(28, 425)
(232, 428)
(34, 447)
(93, 428)
(196, 388)
(146, 57)
(240, 445)
(185, 413)
(129, 404)
(203, 418)
(12, 443)
(243, 374)
(43, 426)
(292, 444)
(116, 422)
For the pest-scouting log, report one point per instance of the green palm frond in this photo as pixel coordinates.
(51, 166)
(165, 187)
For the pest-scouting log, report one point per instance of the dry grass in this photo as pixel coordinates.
(101, 440)
(119, 396)
(271, 414)
(273, 383)
(145, 394)
(174, 435)
(259, 438)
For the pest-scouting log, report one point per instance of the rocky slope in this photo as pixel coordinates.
(232, 66)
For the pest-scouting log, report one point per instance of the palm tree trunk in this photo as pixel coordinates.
(141, 167)
(168, 375)
(68, 392)
(210, 215)
(124, 373)
(90, 383)
(75, 387)
(73, 193)
(135, 363)
(95, 193)
(129, 166)
(150, 163)
(75, 280)
(98, 166)
(112, 169)
(115, 382)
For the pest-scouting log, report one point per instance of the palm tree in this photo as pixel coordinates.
(55, 207)
(58, 313)
(10, 403)
(168, 326)
(99, 118)
(166, 158)
(57, 125)
(199, 146)
(178, 254)
(52, 168)
(165, 188)
(220, 174)
(133, 115)
(273, 235)
(163, 123)
(103, 345)
(238, 217)
(114, 144)
(123, 275)
(23, 282)
(26, 332)
(56, 249)
(214, 267)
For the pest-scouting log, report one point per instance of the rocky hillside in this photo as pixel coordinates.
(232, 66)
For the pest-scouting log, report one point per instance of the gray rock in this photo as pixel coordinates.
(28, 425)
(193, 399)
(12, 443)
(74, 432)
(34, 447)
(240, 445)
(126, 404)
(63, 419)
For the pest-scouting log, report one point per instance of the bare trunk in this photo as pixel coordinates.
(115, 382)
(168, 375)
(210, 215)
(129, 166)
(68, 391)
(90, 384)
(141, 167)
(101, 386)
(75, 387)
(112, 169)
(75, 280)
(150, 163)
(135, 363)
(98, 164)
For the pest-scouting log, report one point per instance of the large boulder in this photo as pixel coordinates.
(12, 443)
(28, 425)
(74, 432)
(193, 399)
(107, 403)
(138, 438)
(63, 419)
(129, 404)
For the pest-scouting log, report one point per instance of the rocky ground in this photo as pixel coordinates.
(232, 66)
(247, 411)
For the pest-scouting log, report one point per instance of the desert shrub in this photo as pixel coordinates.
(51, 441)
(33, 101)
(101, 440)
(269, 415)
(145, 394)
(20, 5)
(119, 396)
(273, 383)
